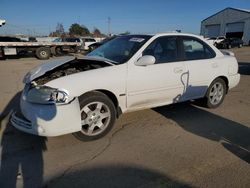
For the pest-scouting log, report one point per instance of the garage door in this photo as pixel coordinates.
(235, 30)
(212, 31)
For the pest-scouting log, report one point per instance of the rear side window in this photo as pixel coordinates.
(195, 49)
(164, 49)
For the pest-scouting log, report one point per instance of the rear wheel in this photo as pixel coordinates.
(240, 46)
(229, 46)
(56, 50)
(98, 115)
(43, 53)
(215, 93)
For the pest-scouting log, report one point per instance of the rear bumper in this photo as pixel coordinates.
(234, 80)
(48, 120)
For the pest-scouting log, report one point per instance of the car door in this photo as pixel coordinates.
(201, 64)
(160, 83)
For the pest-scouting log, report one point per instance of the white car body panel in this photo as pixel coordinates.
(155, 87)
(135, 87)
(52, 120)
(104, 81)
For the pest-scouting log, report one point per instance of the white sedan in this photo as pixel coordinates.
(85, 95)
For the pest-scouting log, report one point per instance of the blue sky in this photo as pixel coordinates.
(136, 16)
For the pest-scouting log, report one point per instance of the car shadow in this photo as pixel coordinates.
(232, 135)
(244, 68)
(115, 176)
(21, 153)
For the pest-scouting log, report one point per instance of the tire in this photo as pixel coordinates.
(74, 49)
(215, 93)
(91, 48)
(43, 53)
(56, 50)
(2, 56)
(240, 46)
(98, 115)
(59, 51)
(229, 46)
(53, 50)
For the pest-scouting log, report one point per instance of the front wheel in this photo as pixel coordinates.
(98, 115)
(215, 93)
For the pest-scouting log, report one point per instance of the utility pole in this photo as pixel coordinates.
(109, 22)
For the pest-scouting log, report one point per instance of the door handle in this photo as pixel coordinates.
(178, 70)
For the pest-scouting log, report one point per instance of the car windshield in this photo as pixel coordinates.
(121, 49)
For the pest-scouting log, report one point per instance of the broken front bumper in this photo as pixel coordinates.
(48, 120)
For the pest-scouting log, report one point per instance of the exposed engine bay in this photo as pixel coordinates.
(71, 67)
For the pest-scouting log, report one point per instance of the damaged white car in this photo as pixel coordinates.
(84, 96)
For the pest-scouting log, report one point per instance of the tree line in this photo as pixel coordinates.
(75, 30)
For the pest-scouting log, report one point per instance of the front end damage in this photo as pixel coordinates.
(48, 120)
(50, 111)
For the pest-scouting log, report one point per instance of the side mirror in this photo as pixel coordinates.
(145, 60)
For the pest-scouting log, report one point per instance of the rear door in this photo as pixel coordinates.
(201, 64)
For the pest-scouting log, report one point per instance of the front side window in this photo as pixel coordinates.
(164, 49)
(195, 49)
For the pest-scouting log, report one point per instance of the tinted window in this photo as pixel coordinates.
(195, 49)
(164, 49)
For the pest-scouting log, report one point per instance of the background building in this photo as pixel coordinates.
(230, 22)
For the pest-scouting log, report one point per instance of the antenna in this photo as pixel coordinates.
(109, 22)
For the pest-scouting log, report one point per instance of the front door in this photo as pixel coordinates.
(158, 84)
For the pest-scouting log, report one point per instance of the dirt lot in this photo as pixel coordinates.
(172, 146)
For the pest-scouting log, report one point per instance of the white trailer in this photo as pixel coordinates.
(42, 50)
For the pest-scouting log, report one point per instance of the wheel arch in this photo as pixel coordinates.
(225, 79)
(111, 96)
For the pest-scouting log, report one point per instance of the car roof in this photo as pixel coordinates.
(167, 34)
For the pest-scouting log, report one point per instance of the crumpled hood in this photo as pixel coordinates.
(43, 68)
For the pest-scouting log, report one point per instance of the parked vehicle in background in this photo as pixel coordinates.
(87, 41)
(230, 43)
(73, 39)
(211, 40)
(216, 40)
(219, 40)
(128, 73)
(42, 50)
(97, 44)
(9, 39)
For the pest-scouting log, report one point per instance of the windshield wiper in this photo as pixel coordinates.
(106, 59)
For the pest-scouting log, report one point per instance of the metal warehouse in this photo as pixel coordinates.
(230, 22)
